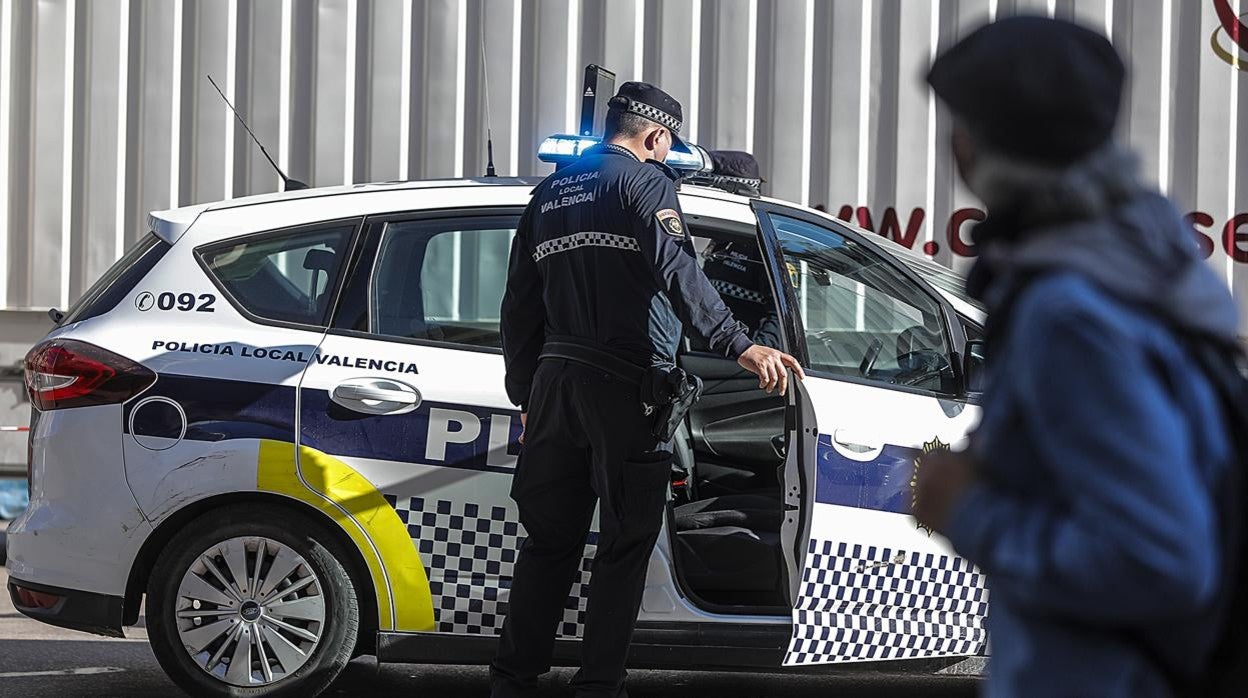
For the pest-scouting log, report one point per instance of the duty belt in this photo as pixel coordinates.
(588, 353)
(669, 392)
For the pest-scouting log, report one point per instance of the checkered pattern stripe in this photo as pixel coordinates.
(735, 291)
(656, 115)
(748, 181)
(861, 603)
(578, 240)
(469, 552)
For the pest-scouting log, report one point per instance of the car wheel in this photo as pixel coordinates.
(252, 601)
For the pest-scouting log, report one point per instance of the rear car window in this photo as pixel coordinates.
(285, 277)
(119, 280)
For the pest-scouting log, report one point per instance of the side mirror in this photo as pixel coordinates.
(973, 359)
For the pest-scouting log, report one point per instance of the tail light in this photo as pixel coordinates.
(64, 373)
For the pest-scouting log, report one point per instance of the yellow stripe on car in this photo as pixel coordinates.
(336, 489)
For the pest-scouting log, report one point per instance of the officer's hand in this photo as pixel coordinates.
(524, 422)
(770, 366)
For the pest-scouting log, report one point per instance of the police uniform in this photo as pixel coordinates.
(602, 258)
(736, 271)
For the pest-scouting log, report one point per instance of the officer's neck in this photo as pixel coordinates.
(636, 147)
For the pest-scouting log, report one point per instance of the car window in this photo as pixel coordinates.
(863, 318)
(442, 280)
(119, 280)
(935, 274)
(285, 277)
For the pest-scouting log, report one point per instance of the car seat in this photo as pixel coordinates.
(729, 548)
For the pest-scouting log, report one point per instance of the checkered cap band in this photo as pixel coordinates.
(578, 240)
(736, 180)
(656, 115)
(469, 551)
(739, 292)
(859, 603)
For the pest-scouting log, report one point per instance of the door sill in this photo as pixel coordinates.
(719, 646)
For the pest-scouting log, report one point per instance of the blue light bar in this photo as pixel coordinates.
(564, 149)
(689, 159)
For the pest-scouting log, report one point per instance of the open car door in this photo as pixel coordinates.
(882, 389)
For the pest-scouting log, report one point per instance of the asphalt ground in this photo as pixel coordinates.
(38, 660)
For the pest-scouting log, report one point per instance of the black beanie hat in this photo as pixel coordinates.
(1041, 89)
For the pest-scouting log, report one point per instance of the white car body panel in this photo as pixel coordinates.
(83, 527)
(90, 526)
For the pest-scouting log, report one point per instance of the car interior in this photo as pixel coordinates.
(727, 480)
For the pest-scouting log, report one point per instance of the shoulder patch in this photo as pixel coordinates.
(670, 219)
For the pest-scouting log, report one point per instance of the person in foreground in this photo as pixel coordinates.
(602, 276)
(1088, 494)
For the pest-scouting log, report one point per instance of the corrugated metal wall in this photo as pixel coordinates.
(105, 111)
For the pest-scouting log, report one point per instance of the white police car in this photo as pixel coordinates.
(282, 419)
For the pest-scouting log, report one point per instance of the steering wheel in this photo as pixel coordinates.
(930, 365)
(868, 359)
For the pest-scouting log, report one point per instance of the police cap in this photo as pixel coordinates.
(649, 102)
(1042, 89)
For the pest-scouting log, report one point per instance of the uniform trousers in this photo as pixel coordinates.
(586, 443)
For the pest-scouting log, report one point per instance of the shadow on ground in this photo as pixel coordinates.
(112, 668)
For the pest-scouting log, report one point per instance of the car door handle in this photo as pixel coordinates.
(856, 443)
(376, 396)
(367, 392)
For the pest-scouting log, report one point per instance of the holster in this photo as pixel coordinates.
(667, 392)
(672, 392)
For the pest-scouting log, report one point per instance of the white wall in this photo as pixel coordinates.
(105, 112)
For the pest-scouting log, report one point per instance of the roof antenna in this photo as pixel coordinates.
(489, 133)
(288, 184)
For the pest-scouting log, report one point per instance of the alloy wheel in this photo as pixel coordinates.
(250, 611)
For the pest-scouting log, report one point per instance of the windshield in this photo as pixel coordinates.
(934, 273)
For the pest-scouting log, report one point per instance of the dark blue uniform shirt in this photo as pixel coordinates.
(603, 254)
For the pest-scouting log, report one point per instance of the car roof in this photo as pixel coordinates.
(382, 197)
(170, 224)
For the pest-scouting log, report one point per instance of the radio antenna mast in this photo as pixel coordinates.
(288, 184)
(489, 133)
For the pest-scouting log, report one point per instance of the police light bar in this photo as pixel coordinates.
(564, 149)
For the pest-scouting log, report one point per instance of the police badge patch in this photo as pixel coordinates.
(671, 222)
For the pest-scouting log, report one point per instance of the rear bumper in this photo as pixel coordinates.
(87, 611)
(83, 528)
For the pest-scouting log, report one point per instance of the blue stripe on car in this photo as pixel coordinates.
(220, 409)
(882, 484)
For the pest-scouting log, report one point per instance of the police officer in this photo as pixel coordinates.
(736, 270)
(602, 264)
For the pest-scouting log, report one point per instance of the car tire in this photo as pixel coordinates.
(246, 617)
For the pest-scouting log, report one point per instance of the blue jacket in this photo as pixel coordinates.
(1100, 448)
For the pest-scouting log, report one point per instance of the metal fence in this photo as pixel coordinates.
(106, 113)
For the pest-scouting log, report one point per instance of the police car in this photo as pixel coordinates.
(280, 422)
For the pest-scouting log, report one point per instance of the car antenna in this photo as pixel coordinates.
(489, 133)
(288, 184)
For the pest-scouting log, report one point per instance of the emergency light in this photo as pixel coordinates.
(561, 150)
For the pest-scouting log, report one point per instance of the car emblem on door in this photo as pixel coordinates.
(934, 445)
